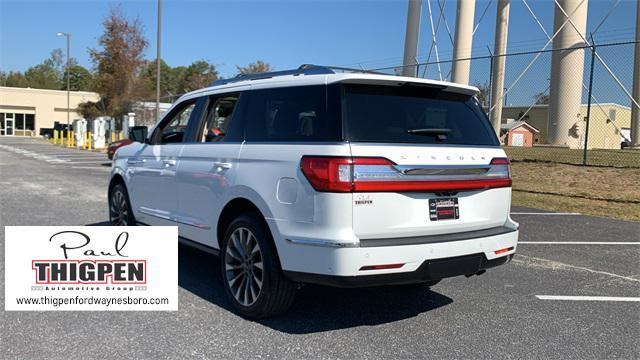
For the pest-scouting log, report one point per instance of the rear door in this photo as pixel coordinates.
(208, 167)
(422, 162)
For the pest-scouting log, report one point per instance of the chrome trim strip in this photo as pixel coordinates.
(155, 213)
(433, 239)
(165, 216)
(192, 223)
(442, 170)
(323, 243)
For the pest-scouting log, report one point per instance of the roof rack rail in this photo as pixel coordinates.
(305, 69)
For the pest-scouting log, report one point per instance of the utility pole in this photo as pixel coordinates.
(498, 62)
(635, 112)
(414, 11)
(586, 130)
(158, 60)
(463, 39)
(68, 36)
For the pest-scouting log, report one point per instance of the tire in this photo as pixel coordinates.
(251, 273)
(120, 212)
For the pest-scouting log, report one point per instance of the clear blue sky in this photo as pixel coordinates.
(285, 34)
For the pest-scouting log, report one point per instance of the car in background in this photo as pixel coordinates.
(134, 132)
(111, 149)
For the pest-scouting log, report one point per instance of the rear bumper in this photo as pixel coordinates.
(422, 259)
(435, 269)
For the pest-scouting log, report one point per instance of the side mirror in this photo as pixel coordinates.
(138, 134)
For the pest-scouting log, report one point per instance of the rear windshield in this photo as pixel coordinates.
(413, 114)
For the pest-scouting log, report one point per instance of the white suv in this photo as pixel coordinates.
(327, 176)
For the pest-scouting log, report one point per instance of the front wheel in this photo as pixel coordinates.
(253, 279)
(120, 213)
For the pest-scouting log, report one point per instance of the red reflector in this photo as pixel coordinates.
(502, 251)
(381, 267)
(499, 161)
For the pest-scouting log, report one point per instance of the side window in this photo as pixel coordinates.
(175, 129)
(290, 114)
(220, 115)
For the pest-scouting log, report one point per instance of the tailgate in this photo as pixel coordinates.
(424, 173)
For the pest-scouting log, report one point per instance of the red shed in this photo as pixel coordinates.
(518, 133)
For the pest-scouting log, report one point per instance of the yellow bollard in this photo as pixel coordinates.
(61, 138)
(55, 137)
(72, 140)
(89, 142)
(113, 136)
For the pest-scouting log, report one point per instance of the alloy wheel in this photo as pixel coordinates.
(243, 266)
(118, 211)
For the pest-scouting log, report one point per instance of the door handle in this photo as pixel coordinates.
(222, 165)
(169, 162)
(131, 161)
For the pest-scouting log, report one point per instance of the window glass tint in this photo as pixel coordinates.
(19, 122)
(392, 114)
(174, 131)
(291, 114)
(220, 113)
(29, 122)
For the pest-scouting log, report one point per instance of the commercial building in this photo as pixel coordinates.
(24, 111)
(146, 111)
(609, 124)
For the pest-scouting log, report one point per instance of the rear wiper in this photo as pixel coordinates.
(439, 133)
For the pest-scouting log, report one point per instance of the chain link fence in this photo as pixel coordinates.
(599, 130)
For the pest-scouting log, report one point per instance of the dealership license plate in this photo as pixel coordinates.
(443, 209)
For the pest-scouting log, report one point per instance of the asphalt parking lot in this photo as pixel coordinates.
(572, 291)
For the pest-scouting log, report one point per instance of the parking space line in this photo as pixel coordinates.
(545, 213)
(588, 298)
(92, 167)
(85, 160)
(556, 265)
(580, 242)
(84, 154)
(90, 162)
(70, 152)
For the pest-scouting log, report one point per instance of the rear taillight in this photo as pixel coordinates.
(376, 174)
(331, 174)
(500, 169)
